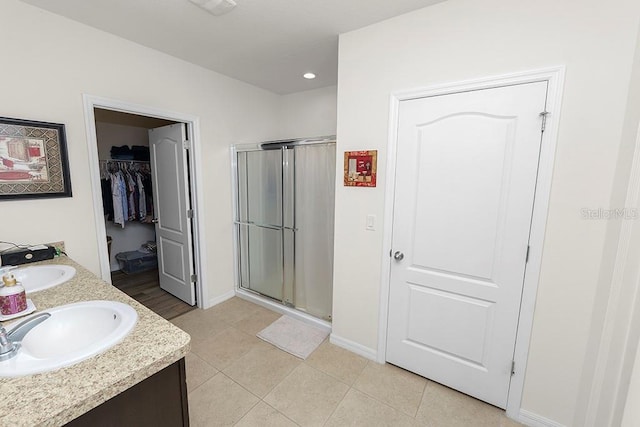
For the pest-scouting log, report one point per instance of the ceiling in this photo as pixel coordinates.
(267, 43)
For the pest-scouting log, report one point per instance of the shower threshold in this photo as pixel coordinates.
(279, 307)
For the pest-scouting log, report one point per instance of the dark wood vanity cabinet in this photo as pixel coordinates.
(160, 400)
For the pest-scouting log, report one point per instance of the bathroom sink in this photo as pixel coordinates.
(73, 333)
(38, 277)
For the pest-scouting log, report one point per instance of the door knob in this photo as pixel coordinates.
(398, 256)
(154, 220)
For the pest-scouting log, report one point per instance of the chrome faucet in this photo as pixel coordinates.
(7, 348)
(10, 341)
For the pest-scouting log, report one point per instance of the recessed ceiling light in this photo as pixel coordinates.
(309, 76)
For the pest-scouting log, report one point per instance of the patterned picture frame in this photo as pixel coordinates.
(360, 168)
(33, 160)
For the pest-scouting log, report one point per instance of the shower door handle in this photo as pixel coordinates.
(267, 226)
(398, 256)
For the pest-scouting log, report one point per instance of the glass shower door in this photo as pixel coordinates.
(260, 222)
(284, 224)
(315, 172)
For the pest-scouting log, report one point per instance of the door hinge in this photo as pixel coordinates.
(194, 278)
(526, 259)
(189, 213)
(544, 115)
(513, 367)
(186, 144)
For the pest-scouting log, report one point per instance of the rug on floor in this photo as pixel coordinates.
(293, 336)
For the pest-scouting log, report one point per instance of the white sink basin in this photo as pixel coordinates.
(38, 277)
(73, 333)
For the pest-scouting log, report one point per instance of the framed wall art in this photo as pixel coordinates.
(33, 160)
(360, 168)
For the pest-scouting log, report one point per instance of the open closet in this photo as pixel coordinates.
(127, 183)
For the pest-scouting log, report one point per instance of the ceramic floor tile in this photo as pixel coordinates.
(264, 415)
(358, 409)
(233, 310)
(313, 392)
(261, 369)
(307, 396)
(198, 325)
(219, 402)
(223, 349)
(337, 362)
(394, 386)
(444, 407)
(508, 422)
(259, 319)
(198, 371)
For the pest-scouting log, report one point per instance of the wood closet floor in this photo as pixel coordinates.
(145, 288)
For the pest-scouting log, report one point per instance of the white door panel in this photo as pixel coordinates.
(171, 197)
(465, 243)
(468, 319)
(466, 173)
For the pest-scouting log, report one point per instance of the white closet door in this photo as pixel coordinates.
(466, 175)
(171, 205)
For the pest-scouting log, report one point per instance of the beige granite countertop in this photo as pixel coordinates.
(54, 398)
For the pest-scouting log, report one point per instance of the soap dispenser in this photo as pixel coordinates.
(13, 298)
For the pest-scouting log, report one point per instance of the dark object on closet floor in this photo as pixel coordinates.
(150, 247)
(136, 262)
(145, 288)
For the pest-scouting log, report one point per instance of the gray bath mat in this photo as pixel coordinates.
(293, 336)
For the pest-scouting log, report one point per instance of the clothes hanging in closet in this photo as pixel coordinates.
(127, 192)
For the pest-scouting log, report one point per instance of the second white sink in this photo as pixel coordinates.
(39, 277)
(73, 333)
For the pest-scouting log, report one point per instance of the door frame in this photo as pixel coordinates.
(195, 170)
(555, 78)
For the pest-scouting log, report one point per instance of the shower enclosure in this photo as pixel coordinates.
(284, 221)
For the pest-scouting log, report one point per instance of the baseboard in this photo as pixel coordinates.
(534, 420)
(354, 347)
(220, 299)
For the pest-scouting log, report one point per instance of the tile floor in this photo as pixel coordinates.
(236, 379)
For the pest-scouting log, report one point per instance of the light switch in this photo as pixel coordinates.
(371, 223)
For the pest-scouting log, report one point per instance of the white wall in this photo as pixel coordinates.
(111, 134)
(631, 416)
(464, 39)
(53, 61)
(309, 113)
(614, 331)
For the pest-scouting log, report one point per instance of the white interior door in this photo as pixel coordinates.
(171, 205)
(466, 175)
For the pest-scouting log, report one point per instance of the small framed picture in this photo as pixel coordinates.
(360, 168)
(33, 160)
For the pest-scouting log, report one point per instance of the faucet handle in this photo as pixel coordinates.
(17, 333)
(7, 268)
(7, 348)
(11, 341)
